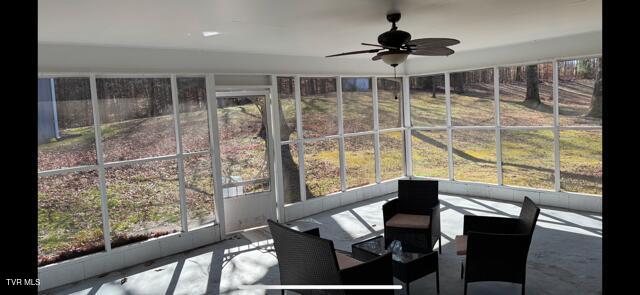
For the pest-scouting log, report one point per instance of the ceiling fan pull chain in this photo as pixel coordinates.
(395, 89)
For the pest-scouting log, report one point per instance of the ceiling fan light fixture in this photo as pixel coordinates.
(394, 59)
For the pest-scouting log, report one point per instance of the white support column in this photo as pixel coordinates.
(376, 129)
(214, 142)
(343, 164)
(405, 112)
(300, 143)
(447, 95)
(106, 230)
(496, 102)
(54, 107)
(278, 169)
(179, 152)
(272, 142)
(556, 124)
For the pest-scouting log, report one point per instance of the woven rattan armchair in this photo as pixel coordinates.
(414, 217)
(496, 248)
(304, 258)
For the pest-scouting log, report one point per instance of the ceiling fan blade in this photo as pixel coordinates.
(382, 46)
(355, 52)
(436, 51)
(433, 42)
(377, 57)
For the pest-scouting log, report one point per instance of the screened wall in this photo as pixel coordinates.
(125, 158)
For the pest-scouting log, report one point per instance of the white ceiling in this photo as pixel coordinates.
(308, 28)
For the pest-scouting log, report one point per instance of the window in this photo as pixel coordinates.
(69, 216)
(287, 99)
(391, 155)
(360, 160)
(526, 95)
(389, 102)
(194, 123)
(243, 144)
(581, 161)
(66, 135)
(428, 102)
(527, 158)
(136, 118)
(198, 185)
(430, 155)
(474, 155)
(319, 104)
(143, 200)
(357, 102)
(322, 167)
(580, 92)
(472, 98)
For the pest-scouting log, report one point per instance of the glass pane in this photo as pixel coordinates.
(243, 145)
(360, 160)
(66, 135)
(474, 155)
(287, 99)
(428, 102)
(527, 158)
(290, 173)
(69, 216)
(581, 161)
(429, 154)
(319, 107)
(143, 201)
(194, 123)
(526, 95)
(357, 104)
(136, 118)
(198, 184)
(322, 167)
(580, 91)
(389, 102)
(472, 98)
(391, 155)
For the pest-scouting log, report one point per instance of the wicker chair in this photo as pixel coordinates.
(414, 217)
(497, 247)
(306, 259)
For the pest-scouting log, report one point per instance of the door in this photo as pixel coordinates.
(245, 149)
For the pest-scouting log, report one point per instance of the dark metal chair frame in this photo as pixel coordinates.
(497, 247)
(304, 258)
(418, 197)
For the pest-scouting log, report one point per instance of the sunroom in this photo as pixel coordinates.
(170, 132)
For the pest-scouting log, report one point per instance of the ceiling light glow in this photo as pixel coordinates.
(210, 33)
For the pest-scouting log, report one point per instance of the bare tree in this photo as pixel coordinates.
(596, 98)
(533, 90)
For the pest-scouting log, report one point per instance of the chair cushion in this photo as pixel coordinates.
(461, 245)
(346, 261)
(409, 221)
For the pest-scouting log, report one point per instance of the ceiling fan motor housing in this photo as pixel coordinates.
(394, 38)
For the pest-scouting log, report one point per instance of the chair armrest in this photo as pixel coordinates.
(389, 209)
(313, 231)
(489, 224)
(377, 271)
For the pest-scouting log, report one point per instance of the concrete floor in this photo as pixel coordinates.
(565, 255)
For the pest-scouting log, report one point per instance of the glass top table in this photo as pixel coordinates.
(407, 266)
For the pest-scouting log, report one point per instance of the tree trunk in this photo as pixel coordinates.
(533, 91)
(290, 170)
(519, 74)
(433, 87)
(596, 98)
(458, 79)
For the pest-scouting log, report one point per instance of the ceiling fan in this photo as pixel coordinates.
(396, 45)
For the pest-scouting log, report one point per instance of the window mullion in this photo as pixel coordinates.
(376, 129)
(181, 185)
(343, 167)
